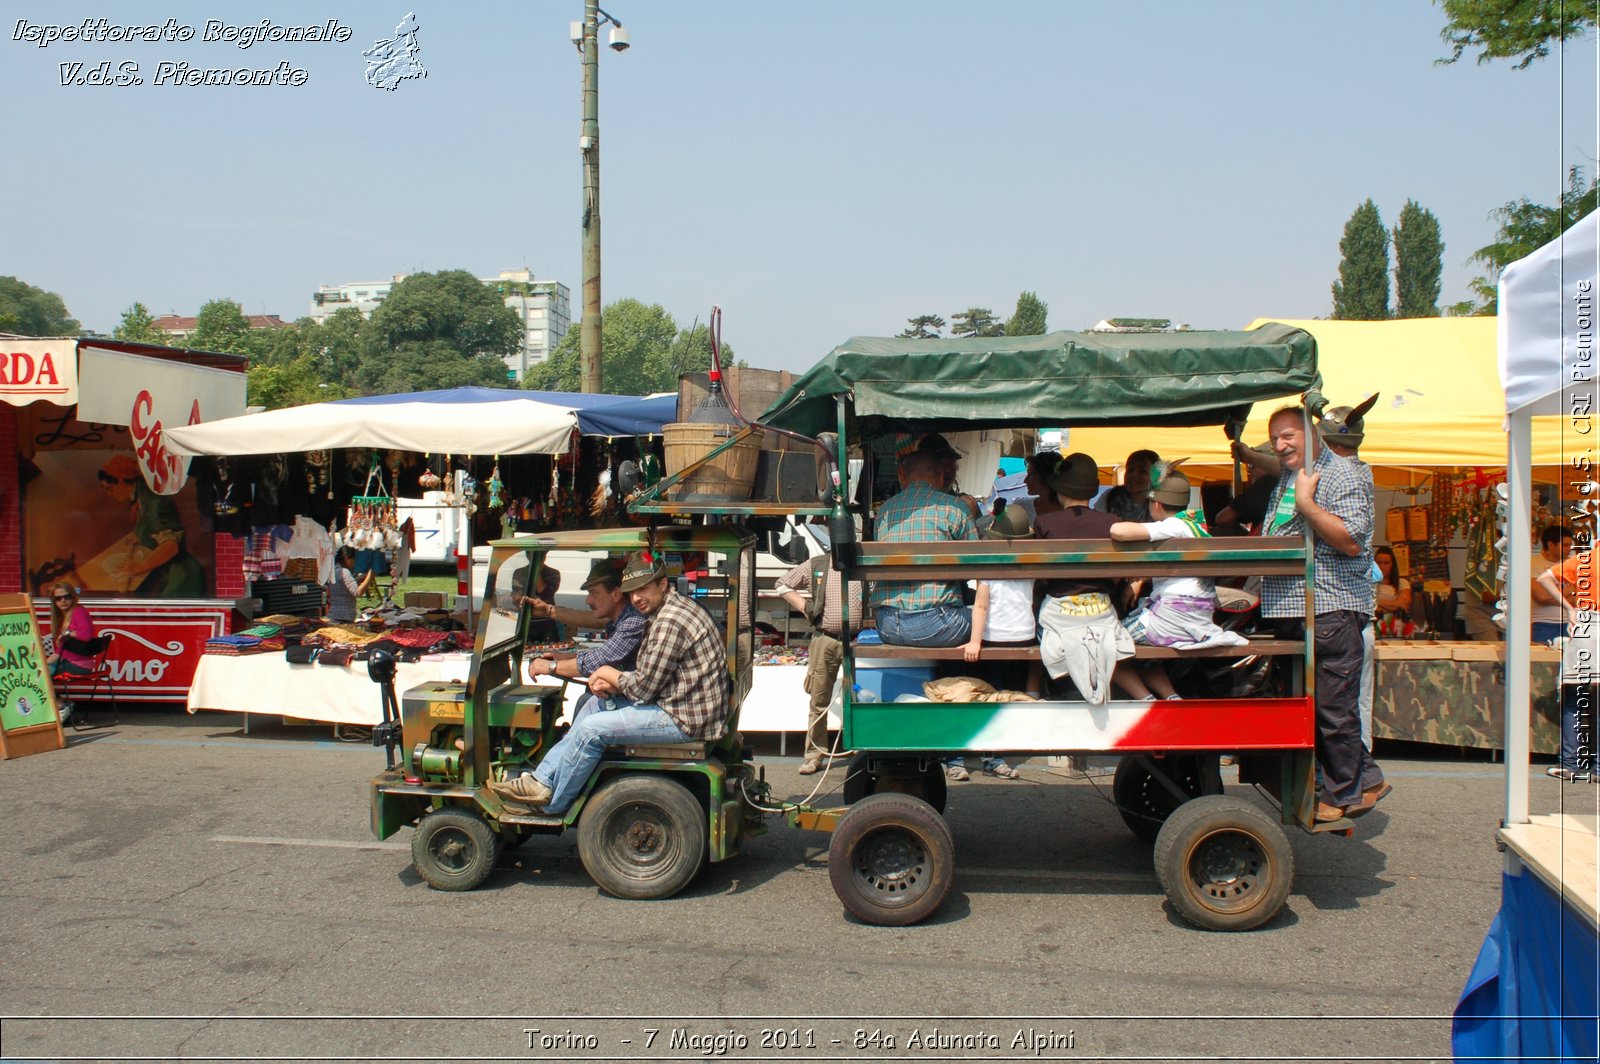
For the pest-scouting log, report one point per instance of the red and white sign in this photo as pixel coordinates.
(31, 370)
(157, 646)
(150, 396)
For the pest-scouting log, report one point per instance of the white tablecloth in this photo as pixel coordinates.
(267, 684)
(338, 694)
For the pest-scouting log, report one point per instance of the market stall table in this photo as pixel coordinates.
(266, 684)
(1453, 694)
(334, 694)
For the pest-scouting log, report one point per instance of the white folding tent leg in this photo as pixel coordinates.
(1519, 657)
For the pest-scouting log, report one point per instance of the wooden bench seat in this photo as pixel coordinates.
(1272, 647)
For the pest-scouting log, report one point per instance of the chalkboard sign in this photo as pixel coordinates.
(28, 720)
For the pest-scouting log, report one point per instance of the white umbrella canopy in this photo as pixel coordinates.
(454, 420)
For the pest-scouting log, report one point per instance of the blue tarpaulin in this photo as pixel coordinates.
(1534, 992)
(598, 415)
(622, 415)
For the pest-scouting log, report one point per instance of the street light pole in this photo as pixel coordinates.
(589, 144)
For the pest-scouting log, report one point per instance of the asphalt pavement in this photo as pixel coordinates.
(176, 888)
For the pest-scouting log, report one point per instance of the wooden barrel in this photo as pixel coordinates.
(730, 475)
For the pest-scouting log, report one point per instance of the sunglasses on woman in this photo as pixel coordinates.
(62, 598)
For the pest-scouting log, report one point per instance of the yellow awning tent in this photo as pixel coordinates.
(1440, 403)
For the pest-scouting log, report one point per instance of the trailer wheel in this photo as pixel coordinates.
(1143, 801)
(891, 860)
(1224, 864)
(928, 784)
(454, 849)
(642, 836)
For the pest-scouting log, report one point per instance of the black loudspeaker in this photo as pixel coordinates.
(787, 477)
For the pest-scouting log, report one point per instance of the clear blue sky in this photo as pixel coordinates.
(819, 169)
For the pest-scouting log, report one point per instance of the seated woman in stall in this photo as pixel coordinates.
(71, 632)
(1178, 611)
(1392, 599)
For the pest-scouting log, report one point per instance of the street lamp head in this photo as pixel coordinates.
(618, 40)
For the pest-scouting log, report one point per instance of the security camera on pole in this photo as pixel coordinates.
(585, 35)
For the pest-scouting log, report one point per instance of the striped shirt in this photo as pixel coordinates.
(921, 514)
(1342, 582)
(621, 646)
(683, 669)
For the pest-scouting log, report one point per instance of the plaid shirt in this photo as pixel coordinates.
(921, 514)
(683, 669)
(800, 579)
(621, 646)
(1342, 582)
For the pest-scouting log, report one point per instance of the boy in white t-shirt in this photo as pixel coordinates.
(1003, 616)
(1178, 612)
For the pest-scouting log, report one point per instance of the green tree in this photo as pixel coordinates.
(642, 351)
(1509, 29)
(976, 321)
(1362, 291)
(137, 326)
(221, 326)
(337, 344)
(1029, 317)
(560, 371)
(1418, 263)
(33, 311)
(437, 330)
(923, 327)
(690, 352)
(1525, 227)
(291, 384)
(424, 365)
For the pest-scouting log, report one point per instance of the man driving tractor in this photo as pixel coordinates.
(678, 692)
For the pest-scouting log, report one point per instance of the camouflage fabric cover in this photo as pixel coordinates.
(1461, 703)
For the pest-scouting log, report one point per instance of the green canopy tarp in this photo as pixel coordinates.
(1059, 379)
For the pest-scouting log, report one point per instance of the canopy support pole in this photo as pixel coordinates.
(1518, 597)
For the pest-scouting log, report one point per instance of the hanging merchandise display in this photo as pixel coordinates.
(374, 509)
(428, 480)
(497, 487)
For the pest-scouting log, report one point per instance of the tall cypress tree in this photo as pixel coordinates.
(1362, 291)
(1418, 263)
(1029, 317)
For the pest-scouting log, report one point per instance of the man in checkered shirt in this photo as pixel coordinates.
(926, 613)
(1333, 498)
(677, 692)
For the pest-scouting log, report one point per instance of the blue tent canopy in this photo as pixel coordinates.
(598, 415)
(630, 417)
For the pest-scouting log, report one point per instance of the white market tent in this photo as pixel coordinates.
(1533, 990)
(480, 421)
(1547, 362)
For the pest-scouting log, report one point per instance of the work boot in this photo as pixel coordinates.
(1326, 813)
(522, 790)
(811, 765)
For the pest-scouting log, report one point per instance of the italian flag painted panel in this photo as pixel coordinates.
(1054, 727)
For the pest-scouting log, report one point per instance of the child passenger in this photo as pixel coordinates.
(1002, 616)
(1178, 612)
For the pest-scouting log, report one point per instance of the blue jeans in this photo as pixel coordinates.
(566, 768)
(941, 626)
(1544, 631)
(1577, 728)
